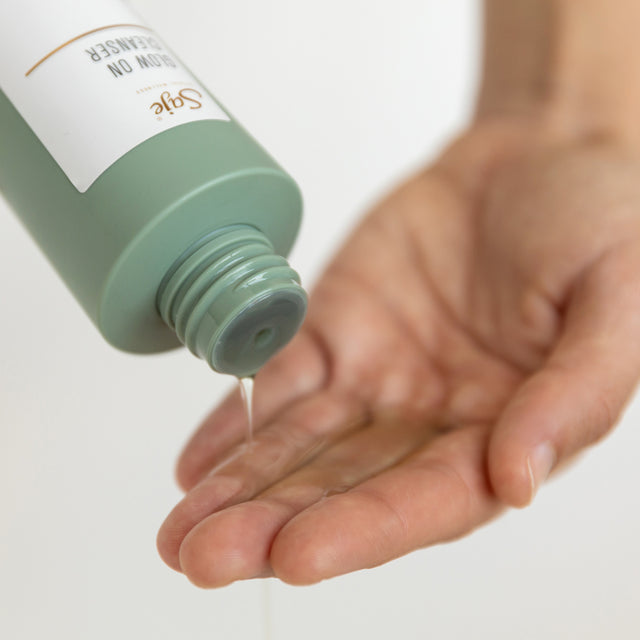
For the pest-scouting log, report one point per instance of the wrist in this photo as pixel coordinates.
(575, 65)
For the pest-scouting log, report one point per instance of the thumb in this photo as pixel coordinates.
(580, 392)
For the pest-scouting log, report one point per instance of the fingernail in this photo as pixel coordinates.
(540, 463)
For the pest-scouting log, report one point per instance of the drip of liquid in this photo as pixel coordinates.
(246, 390)
(266, 609)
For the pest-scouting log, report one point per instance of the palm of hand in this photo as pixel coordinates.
(455, 350)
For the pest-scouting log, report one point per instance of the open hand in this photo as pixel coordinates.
(480, 327)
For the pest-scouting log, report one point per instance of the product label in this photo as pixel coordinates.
(92, 81)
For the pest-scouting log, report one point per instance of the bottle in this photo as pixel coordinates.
(167, 221)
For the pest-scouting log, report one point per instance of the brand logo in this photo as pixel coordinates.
(169, 104)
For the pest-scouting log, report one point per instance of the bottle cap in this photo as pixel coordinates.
(233, 301)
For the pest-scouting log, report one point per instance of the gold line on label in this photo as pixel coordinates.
(82, 35)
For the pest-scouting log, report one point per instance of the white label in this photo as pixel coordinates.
(92, 81)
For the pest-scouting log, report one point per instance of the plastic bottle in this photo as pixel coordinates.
(167, 221)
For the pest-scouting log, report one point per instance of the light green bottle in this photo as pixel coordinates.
(164, 217)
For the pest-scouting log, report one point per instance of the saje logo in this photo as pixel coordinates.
(168, 104)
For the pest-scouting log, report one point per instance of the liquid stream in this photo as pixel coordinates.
(246, 390)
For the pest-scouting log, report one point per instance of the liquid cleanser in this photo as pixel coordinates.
(167, 221)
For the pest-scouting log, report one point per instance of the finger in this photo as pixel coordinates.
(298, 434)
(298, 370)
(234, 544)
(289, 527)
(581, 391)
(438, 494)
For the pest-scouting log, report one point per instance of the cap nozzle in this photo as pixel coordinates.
(232, 300)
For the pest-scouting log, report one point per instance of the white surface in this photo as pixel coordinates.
(348, 96)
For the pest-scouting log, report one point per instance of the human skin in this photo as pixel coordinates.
(478, 329)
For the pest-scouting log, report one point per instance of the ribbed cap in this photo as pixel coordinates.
(233, 301)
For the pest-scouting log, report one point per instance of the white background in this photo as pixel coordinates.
(348, 96)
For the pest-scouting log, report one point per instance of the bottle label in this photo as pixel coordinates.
(92, 81)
